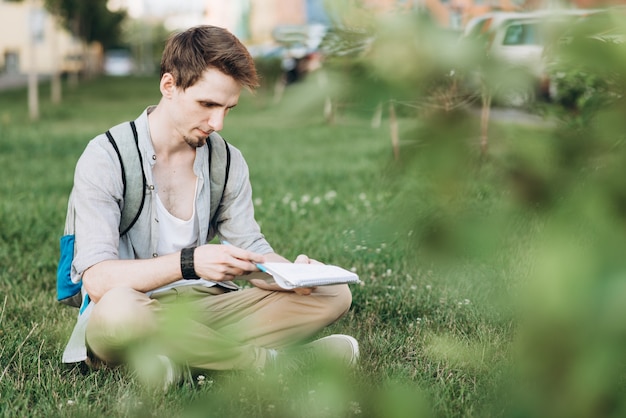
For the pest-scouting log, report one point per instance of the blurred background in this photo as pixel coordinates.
(122, 37)
(464, 157)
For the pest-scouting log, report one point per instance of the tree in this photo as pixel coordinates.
(89, 20)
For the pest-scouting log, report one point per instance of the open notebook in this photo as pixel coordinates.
(290, 276)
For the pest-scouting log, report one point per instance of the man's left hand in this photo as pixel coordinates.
(301, 259)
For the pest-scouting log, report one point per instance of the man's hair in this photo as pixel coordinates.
(187, 55)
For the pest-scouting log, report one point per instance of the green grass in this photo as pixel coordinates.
(437, 315)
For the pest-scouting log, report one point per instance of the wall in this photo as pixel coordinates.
(52, 52)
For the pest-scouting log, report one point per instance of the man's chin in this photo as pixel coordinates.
(196, 142)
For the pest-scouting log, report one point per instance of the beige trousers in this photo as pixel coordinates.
(208, 327)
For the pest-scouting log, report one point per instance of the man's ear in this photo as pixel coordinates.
(167, 85)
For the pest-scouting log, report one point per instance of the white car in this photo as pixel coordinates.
(516, 41)
(487, 23)
(118, 62)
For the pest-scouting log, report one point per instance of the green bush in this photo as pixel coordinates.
(269, 70)
(586, 65)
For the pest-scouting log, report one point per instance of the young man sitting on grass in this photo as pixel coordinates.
(165, 260)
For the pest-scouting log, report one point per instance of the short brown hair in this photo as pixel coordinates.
(190, 53)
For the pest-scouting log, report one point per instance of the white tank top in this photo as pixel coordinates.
(174, 235)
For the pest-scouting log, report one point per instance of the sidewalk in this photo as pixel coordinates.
(514, 115)
(12, 81)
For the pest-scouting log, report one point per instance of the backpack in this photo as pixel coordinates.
(134, 180)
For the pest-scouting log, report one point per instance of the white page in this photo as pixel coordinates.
(291, 275)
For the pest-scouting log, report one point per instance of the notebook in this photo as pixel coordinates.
(292, 275)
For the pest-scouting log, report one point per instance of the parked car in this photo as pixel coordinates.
(485, 24)
(118, 62)
(514, 42)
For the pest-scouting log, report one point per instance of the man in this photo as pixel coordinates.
(134, 279)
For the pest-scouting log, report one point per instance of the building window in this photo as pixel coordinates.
(11, 62)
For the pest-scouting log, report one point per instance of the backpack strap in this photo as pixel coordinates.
(219, 169)
(126, 146)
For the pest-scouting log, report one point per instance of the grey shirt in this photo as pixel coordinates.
(98, 196)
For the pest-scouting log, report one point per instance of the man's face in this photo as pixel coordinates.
(200, 109)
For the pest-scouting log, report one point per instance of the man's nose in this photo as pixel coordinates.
(216, 120)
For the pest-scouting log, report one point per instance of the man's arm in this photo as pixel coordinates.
(211, 262)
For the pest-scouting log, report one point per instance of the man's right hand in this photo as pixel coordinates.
(224, 262)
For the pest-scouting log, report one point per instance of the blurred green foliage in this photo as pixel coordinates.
(90, 21)
(553, 203)
(586, 65)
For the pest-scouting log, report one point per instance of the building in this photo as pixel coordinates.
(31, 38)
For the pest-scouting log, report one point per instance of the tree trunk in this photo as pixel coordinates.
(393, 126)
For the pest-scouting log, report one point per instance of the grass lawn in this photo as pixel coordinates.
(437, 328)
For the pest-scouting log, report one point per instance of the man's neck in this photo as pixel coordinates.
(165, 140)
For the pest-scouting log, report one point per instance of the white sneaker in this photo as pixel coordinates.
(343, 348)
(340, 348)
(170, 373)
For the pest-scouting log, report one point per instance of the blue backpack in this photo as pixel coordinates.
(125, 141)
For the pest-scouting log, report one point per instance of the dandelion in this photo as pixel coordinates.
(362, 196)
(330, 195)
(294, 205)
(258, 201)
(286, 199)
(317, 200)
(466, 301)
(353, 269)
(429, 287)
(355, 407)
(305, 198)
(70, 402)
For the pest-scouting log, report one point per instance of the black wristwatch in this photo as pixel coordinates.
(186, 264)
